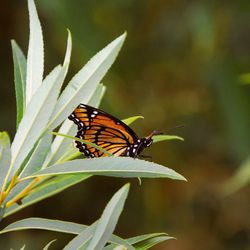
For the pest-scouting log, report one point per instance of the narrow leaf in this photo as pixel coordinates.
(49, 244)
(45, 224)
(112, 166)
(84, 83)
(58, 226)
(35, 58)
(35, 118)
(47, 189)
(108, 220)
(5, 157)
(61, 145)
(141, 238)
(81, 240)
(38, 156)
(150, 242)
(158, 138)
(20, 80)
(38, 112)
(132, 119)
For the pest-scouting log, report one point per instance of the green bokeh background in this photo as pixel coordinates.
(180, 64)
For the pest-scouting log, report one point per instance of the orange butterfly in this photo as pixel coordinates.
(108, 132)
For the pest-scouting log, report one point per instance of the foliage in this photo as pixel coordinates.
(35, 165)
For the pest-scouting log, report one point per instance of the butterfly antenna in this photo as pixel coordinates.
(178, 126)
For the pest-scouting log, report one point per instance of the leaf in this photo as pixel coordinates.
(97, 96)
(112, 166)
(81, 240)
(61, 145)
(84, 83)
(20, 80)
(38, 112)
(108, 220)
(38, 156)
(147, 244)
(34, 164)
(140, 241)
(132, 119)
(45, 224)
(49, 244)
(57, 226)
(35, 119)
(47, 189)
(35, 57)
(158, 138)
(5, 157)
(19, 187)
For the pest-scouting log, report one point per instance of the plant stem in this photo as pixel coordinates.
(4, 193)
(23, 193)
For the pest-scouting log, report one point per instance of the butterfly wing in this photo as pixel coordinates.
(103, 129)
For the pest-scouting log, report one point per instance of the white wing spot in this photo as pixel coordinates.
(95, 112)
(134, 150)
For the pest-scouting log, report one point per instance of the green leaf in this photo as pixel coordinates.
(132, 119)
(84, 83)
(58, 226)
(35, 118)
(108, 220)
(20, 80)
(38, 112)
(139, 242)
(5, 157)
(34, 164)
(158, 138)
(38, 156)
(49, 244)
(81, 240)
(61, 146)
(48, 188)
(112, 166)
(147, 244)
(45, 224)
(35, 57)
(145, 237)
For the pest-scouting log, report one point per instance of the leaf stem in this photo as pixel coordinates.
(23, 193)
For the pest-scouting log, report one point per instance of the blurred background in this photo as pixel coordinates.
(182, 63)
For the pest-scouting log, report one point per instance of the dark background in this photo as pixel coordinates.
(181, 64)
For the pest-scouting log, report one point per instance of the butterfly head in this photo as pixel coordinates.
(135, 149)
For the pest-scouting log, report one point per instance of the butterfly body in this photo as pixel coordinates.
(107, 132)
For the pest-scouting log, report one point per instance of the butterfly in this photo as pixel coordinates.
(107, 132)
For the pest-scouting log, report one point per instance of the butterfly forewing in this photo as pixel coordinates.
(102, 129)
